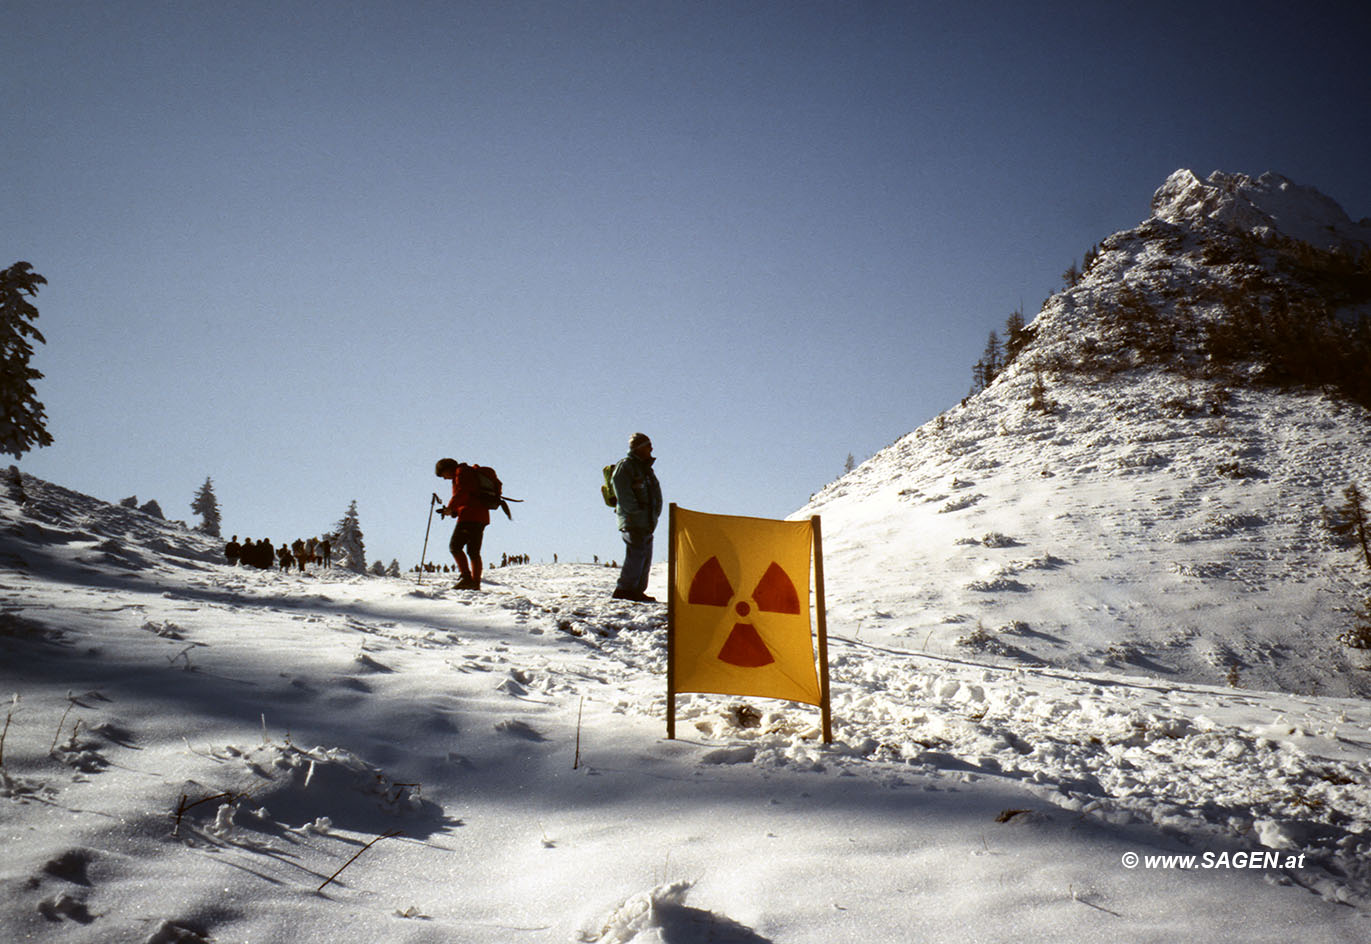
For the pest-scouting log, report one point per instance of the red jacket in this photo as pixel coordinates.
(466, 505)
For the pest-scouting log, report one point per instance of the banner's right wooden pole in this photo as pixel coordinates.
(671, 624)
(822, 621)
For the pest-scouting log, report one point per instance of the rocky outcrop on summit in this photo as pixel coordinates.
(1261, 207)
(1222, 282)
(1145, 487)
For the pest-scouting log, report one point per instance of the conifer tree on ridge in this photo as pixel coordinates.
(348, 549)
(23, 424)
(206, 505)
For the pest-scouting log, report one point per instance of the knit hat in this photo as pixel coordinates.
(638, 439)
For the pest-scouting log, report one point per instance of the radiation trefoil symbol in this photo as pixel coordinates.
(775, 593)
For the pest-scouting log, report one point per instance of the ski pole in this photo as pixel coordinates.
(423, 555)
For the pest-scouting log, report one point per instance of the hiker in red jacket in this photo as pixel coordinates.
(472, 517)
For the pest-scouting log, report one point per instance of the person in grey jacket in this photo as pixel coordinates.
(638, 505)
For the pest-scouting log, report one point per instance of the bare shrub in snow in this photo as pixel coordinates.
(960, 503)
(1359, 636)
(1038, 400)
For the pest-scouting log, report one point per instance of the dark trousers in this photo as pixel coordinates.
(637, 562)
(466, 540)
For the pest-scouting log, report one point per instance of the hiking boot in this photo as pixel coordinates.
(467, 583)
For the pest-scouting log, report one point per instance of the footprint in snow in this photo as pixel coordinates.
(169, 932)
(369, 664)
(70, 866)
(743, 754)
(63, 906)
(510, 687)
(517, 683)
(662, 915)
(519, 729)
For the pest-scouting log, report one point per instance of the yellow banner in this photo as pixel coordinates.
(740, 607)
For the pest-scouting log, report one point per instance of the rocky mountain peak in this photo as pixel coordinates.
(1145, 484)
(1263, 207)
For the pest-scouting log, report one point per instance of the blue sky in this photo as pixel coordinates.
(309, 248)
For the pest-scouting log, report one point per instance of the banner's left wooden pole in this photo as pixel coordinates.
(671, 624)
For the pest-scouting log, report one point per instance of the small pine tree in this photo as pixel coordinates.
(1091, 255)
(989, 366)
(206, 505)
(1349, 521)
(993, 356)
(1037, 395)
(23, 423)
(394, 569)
(978, 381)
(850, 464)
(378, 569)
(1016, 335)
(348, 549)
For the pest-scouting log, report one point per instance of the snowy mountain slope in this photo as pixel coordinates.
(1164, 513)
(196, 750)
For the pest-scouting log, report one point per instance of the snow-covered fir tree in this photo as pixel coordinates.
(14, 482)
(348, 550)
(394, 569)
(23, 423)
(206, 505)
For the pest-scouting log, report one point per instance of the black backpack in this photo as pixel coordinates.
(490, 490)
(488, 487)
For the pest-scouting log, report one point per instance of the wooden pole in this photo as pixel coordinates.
(821, 621)
(671, 624)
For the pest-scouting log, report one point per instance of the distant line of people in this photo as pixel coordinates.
(262, 555)
(506, 560)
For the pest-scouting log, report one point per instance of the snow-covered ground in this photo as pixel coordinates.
(195, 749)
(1114, 534)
